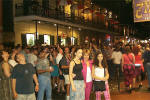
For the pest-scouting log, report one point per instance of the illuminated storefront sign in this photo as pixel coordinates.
(30, 39)
(141, 10)
(47, 39)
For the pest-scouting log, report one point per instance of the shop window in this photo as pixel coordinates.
(67, 9)
(41, 39)
(68, 40)
(23, 39)
(52, 40)
(63, 41)
(73, 41)
(30, 39)
(47, 39)
(59, 40)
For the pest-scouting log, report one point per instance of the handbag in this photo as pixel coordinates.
(99, 85)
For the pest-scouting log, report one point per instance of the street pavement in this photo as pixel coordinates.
(137, 94)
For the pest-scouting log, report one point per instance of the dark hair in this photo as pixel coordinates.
(127, 49)
(1, 53)
(16, 57)
(136, 50)
(96, 61)
(117, 48)
(76, 49)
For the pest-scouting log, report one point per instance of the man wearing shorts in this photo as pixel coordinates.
(64, 62)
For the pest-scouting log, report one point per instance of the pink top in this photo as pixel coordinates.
(138, 60)
(128, 59)
(84, 71)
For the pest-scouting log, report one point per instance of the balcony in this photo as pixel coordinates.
(20, 10)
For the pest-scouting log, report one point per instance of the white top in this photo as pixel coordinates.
(13, 63)
(116, 56)
(88, 75)
(32, 59)
(58, 58)
(99, 72)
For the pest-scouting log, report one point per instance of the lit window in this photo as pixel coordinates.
(47, 39)
(30, 39)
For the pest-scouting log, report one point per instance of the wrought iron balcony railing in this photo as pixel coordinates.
(20, 10)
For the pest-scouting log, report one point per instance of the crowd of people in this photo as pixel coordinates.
(28, 73)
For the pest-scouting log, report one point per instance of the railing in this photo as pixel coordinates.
(57, 14)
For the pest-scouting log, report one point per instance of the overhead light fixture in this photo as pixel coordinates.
(79, 29)
(55, 24)
(39, 22)
(69, 27)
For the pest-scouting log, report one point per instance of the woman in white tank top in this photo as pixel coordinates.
(100, 73)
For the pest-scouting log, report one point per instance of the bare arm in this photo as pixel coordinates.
(64, 67)
(122, 63)
(6, 69)
(107, 74)
(35, 79)
(133, 58)
(36, 82)
(14, 88)
(71, 75)
(40, 71)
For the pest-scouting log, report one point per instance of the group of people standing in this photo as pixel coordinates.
(30, 73)
(133, 62)
(25, 73)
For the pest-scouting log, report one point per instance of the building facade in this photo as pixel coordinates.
(67, 22)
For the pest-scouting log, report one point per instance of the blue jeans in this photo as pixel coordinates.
(26, 97)
(148, 72)
(44, 85)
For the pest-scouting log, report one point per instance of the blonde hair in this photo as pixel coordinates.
(86, 51)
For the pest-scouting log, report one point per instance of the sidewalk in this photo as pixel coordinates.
(138, 94)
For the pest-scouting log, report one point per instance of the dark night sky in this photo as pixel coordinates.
(125, 12)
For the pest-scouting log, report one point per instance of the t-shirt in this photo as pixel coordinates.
(116, 56)
(23, 73)
(63, 62)
(32, 59)
(146, 56)
(43, 64)
(58, 58)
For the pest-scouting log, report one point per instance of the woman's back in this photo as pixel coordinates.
(138, 58)
(128, 58)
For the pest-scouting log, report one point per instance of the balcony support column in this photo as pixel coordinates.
(72, 37)
(57, 33)
(36, 31)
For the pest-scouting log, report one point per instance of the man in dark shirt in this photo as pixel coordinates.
(64, 65)
(22, 80)
(146, 57)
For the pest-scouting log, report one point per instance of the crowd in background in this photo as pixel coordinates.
(32, 72)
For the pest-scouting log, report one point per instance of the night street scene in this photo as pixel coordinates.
(74, 50)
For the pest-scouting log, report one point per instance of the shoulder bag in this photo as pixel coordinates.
(99, 85)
